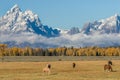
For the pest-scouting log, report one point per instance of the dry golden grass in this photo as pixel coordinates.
(61, 70)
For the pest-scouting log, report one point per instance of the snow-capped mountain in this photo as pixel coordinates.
(109, 25)
(18, 28)
(16, 21)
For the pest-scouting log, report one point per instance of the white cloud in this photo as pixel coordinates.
(77, 40)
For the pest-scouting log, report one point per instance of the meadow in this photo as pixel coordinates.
(60, 70)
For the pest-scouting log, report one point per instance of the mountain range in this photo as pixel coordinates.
(16, 21)
(18, 28)
(109, 25)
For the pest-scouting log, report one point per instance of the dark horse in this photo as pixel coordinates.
(108, 67)
(74, 65)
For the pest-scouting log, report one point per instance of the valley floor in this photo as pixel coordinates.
(60, 70)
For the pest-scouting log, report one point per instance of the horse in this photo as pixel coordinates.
(108, 67)
(73, 65)
(47, 69)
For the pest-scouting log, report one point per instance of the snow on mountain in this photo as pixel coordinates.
(17, 21)
(22, 29)
(109, 25)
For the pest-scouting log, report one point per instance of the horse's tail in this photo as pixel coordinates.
(105, 67)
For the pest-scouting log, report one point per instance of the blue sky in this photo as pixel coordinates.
(65, 14)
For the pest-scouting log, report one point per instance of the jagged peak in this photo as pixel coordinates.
(28, 12)
(32, 17)
(15, 8)
(112, 18)
(115, 16)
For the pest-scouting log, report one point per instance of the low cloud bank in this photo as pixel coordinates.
(77, 40)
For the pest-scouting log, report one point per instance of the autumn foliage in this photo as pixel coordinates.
(61, 51)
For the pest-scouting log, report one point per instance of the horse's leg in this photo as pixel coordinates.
(108, 70)
(111, 69)
(49, 72)
(105, 68)
(44, 72)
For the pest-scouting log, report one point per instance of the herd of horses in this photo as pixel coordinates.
(107, 67)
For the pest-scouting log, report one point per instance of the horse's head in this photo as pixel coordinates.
(110, 62)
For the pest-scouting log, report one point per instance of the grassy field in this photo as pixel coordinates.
(61, 70)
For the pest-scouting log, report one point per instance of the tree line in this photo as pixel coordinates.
(60, 51)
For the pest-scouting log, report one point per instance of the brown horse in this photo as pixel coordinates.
(108, 67)
(74, 65)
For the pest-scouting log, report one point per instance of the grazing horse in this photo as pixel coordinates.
(47, 69)
(74, 65)
(108, 67)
